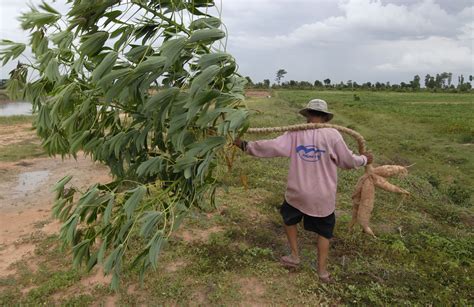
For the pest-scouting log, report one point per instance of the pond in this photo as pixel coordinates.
(15, 108)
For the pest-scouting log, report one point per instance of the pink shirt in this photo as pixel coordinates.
(314, 157)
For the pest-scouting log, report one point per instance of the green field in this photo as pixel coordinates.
(423, 253)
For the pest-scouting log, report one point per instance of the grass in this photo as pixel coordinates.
(15, 120)
(27, 145)
(422, 255)
(3, 95)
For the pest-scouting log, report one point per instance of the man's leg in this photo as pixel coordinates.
(323, 251)
(292, 235)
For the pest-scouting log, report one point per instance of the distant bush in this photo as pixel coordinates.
(467, 138)
(434, 181)
(459, 194)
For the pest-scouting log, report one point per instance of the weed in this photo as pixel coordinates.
(459, 195)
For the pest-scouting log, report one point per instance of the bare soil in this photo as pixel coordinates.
(26, 200)
(257, 93)
(14, 134)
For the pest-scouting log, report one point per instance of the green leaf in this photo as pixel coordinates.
(150, 167)
(124, 33)
(155, 248)
(138, 53)
(151, 64)
(80, 250)
(12, 52)
(52, 71)
(150, 221)
(203, 79)
(102, 249)
(36, 19)
(184, 162)
(132, 202)
(63, 39)
(207, 22)
(217, 58)
(206, 36)
(108, 210)
(163, 97)
(93, 43)
(171, 49)
(78, 141)
(110, 77)
(113, 259)
(48, 8)
(105, 66)
(68, 230)
(61, 183)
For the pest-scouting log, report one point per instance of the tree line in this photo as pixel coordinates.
(439, 82)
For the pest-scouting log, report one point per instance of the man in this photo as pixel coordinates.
(312, 179)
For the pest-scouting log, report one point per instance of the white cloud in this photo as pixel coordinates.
(432, 54)
(367, 20)
(371, 38)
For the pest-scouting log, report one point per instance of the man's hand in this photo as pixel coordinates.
(369, 156)
(238, 142)
(241, 144)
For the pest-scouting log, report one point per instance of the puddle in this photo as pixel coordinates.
(15, 108)
(29, 181)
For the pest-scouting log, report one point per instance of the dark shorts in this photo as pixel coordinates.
(323, 226)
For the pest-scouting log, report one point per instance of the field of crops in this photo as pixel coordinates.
(229, 255)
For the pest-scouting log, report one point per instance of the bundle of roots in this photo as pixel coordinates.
(364, 194)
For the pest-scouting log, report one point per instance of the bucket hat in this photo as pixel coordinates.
(316, 105)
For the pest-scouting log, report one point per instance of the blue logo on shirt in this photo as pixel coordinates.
(309, 153)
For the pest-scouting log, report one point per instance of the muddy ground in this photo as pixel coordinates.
(26, 199)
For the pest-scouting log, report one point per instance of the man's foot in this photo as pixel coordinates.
(325, 278)
(290, 261)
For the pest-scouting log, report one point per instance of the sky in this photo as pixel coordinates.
(359, 40)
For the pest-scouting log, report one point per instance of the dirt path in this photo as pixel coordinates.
(257, 94)
(14, 134)
(26, 200)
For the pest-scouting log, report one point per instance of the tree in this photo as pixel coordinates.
(318, 83)
(430, 82)
(427, 80)
(280, 75)
(89, 82)
(445, 79)
(350, 84)
(327, 82)
(415, 84)
(438, 81)
(266, 83)
(249, 81)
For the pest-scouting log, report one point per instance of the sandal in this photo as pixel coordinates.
(289, 261)
(325, 279)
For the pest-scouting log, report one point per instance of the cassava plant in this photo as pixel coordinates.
(144, 87)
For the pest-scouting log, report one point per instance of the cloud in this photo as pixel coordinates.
(368, 20)
(431, 54)
(371, 39)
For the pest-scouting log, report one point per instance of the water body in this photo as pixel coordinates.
(30, 181)
(15, 108)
